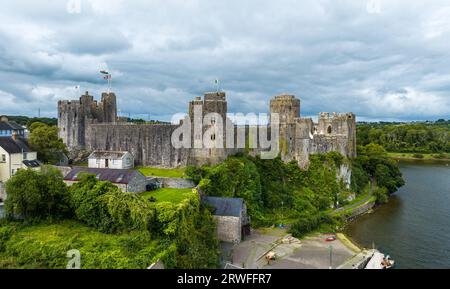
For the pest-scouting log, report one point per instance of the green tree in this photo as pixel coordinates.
(44, 139)
(37, 194)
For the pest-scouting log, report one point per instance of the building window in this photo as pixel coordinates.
(329, 129)
(3, 159)
(12, 172)
(97, 161)
(25, 155)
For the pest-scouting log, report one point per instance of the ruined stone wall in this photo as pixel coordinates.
(150, 144)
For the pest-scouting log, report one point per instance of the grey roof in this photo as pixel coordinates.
(225, 206)
(16, 146)
(112, 175)
(107, 155)
(10, 125)
(31, 164)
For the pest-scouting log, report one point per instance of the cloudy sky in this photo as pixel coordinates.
(381, 59)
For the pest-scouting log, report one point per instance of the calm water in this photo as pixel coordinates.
(414, 227)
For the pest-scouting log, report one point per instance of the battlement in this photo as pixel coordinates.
(88, 124)
(74, 116)
(215, 96)
(285, 96)
(287, 106)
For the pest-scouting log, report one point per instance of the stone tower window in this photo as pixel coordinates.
(329, 129)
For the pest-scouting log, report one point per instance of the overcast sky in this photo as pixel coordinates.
(382, 60)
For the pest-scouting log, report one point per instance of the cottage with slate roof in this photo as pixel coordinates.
(126, 180)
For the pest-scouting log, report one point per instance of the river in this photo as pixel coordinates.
(414, 227)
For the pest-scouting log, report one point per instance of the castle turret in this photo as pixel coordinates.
(74, 117)
(109, 107)
(287, 106)
(212, 103)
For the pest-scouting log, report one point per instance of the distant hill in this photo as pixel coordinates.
(27, 121)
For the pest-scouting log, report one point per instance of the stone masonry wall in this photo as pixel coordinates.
(228, 228)
(150, 144)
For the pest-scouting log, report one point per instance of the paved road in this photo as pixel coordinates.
(357, 204)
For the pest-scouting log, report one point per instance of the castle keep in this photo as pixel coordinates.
(88, 125)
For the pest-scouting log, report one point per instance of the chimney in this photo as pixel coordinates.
(14, 135)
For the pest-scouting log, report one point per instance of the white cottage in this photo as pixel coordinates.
(15, 154)
(111, 160)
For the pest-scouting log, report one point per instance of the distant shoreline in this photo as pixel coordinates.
(410, 156)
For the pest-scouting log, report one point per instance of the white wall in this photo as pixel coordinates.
(127, 162)
(13, 163)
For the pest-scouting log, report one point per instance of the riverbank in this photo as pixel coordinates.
(413, 226)
(420, 157)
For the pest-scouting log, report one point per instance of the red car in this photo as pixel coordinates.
(330, 239)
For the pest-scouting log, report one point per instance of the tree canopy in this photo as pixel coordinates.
(44, 139)
(37, 194)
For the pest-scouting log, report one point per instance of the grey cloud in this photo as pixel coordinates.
(334, 55)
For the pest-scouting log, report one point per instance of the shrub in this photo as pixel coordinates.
(418, 156)
(37, 194)
(381, 194)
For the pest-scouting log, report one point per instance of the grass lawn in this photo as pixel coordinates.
(416, 156)
(46, 245)
(174, 196)
(164, 173)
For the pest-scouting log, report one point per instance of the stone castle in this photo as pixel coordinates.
(87, 125)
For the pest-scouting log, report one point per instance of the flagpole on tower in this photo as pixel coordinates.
(216, 82)
(108, 77)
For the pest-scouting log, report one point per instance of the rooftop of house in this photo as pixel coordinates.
(10, 125)
(225, 206)
(108, 155)
(15, 145)
(113, 175)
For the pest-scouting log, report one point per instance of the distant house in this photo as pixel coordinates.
(8, 128)
(15, 154)
(230, 214)
(127, 180)
(111, 160)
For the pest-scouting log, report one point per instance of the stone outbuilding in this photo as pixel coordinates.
(126, 180)
(111, 160)
(233, 224)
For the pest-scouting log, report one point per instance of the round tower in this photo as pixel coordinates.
(287, 106)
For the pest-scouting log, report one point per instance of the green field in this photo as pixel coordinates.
(164, 173)
(46, 246)
(417, 156)
(174, 196)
